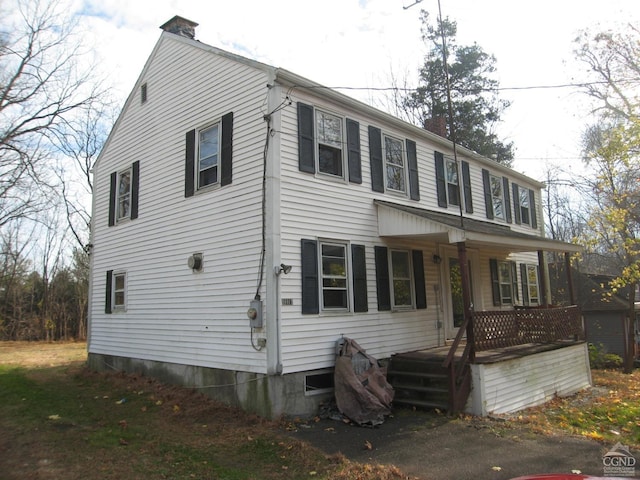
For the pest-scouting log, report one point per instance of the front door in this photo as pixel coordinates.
(452, 292)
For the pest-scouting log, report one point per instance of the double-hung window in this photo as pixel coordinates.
(124, 195)
(524, 206)
(497, 197)
(334, 276)
(530, 284)
(453, 184)
(401, 279)
(208, 155)
(330, 138)
(116, 291)
(395, 165)
(504, 281)
(335, 291)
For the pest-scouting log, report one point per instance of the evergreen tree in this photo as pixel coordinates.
(476, 107)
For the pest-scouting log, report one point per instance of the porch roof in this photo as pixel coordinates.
(395, 220)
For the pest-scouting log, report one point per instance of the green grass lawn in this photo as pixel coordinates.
(60, 420)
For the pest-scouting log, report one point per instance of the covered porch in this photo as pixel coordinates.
(534, 340)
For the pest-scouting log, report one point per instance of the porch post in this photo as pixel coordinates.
(567, 267)
(544, 279)
(466, 296)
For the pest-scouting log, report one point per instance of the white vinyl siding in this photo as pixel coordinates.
(173, 314)
(509, 386)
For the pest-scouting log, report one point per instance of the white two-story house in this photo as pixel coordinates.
(245, 219)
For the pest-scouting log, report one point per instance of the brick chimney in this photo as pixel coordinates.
(437, 125)
(181, 26)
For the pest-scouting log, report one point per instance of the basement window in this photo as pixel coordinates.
(318, 383)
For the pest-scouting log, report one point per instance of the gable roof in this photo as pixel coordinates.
(296, 81)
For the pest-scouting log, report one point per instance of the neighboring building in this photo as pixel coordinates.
(229, 188)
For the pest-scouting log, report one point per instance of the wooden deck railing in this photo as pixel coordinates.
(499, 329)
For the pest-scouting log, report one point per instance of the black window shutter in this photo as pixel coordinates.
(375, 157)
(466, 183)
(441, 185)
(310, 292)
(353, 151)
(382, 278)
(516, 203)
(495, 282)
(190, 163)
(107, 293)
(507, 199)
(112, 199)
(488, 198)
(514, 281)
(525, 283)
(306, 142)
(532, 209)
(360, 300)
(226, 154)
(135, 188)
(418, 279)
(412, 162)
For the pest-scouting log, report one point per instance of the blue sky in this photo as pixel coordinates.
(358, 43)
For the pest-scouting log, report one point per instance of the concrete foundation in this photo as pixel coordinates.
(270, 396)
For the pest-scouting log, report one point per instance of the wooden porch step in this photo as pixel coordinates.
(428, 404)
(422, 389)
(417, 375)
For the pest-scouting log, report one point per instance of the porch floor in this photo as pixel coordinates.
(489, 356)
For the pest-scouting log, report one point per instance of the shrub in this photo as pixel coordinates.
(600, 359)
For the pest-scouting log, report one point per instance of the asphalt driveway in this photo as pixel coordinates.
(433, 446)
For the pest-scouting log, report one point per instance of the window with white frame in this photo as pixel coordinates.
(124, 195)
(531, 284)
(119, 290)
(525, 209)
(453, 185)
(497, 197)
(505, 280)
(402, 279)
(334, 269)
(208, 155)
(330, 142)
(395, 165)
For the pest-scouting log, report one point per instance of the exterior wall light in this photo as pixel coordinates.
(282, 268)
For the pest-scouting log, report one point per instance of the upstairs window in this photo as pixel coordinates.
(524, 203)
(330, 138)
(394, 165)
(208, 154)
(328, 144)
(449, 187)
(453, 185)
(123, 194)
(497, 197)
(524, 206)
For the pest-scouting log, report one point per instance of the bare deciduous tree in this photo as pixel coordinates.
(42, 84)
